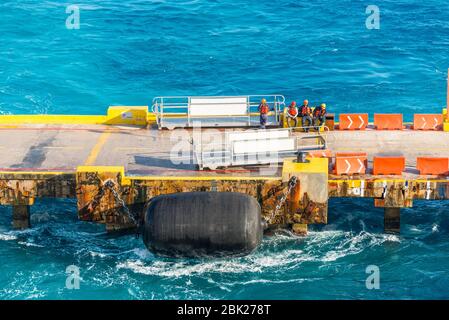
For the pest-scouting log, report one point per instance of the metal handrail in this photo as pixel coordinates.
(161, 103)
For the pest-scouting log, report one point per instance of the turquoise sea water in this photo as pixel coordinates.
(129, 52)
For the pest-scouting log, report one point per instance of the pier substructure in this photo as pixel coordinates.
(392, 220)
(21, 217)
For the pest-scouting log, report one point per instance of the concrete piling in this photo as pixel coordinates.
(21, 217)
(392, 220)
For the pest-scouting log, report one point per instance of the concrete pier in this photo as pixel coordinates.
(107, 163)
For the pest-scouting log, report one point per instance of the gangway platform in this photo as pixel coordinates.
(252, 147)
(210, 111)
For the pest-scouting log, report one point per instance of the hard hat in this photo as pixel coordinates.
(306, 102)
(323, 105)
(293, 103)
(264, 100)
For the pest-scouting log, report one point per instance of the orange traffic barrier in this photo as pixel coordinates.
(351, 163)
(433, 166)
(354, 121)
(388, 121)
(388, 165)
(320, 154)
(428, 122)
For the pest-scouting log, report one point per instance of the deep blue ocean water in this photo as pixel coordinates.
(127, 52)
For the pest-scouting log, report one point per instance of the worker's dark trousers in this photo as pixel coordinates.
(307, 122)
(319, 122)
(263, 120)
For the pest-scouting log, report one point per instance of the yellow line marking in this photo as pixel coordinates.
(97, 148)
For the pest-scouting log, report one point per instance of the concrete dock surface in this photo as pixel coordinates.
(153, 152)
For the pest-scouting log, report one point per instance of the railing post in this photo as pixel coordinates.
(248, 108)
(162, 111)
(188, 112)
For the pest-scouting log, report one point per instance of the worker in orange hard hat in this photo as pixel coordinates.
(319, 116)
(306, 116)
(292, 113)
(263, 110)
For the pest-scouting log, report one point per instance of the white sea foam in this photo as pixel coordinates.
(7, 237)
(323, 246)
(30, 244)
(97, 254)
(435, 228)
(179, 269)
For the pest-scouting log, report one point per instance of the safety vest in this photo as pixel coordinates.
(293, 111)
(319, 112)
(263, 108)
(305, 110)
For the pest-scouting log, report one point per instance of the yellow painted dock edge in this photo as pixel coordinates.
(317, 165)
(446, 120)
(314, 165)
(116, 115)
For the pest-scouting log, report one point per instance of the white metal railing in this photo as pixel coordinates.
(215, 111)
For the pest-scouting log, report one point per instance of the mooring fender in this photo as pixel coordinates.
(196, 224)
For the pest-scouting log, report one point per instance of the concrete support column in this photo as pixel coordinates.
(308, 200)
(392, 220)
(21, 217)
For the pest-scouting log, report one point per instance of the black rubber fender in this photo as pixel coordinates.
(194, 224)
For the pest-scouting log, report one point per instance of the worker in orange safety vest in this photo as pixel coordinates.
(292, 113)
(306, 116)
(263, 110)
(319, 116)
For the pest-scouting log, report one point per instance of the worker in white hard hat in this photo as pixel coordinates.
(306, 115)
(263, 110)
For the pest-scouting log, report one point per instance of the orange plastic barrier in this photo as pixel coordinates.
(388, 121)
(356, 121)
(388, 165)
(320, 154)
(428, 122)
(433, 166)
(351, 163)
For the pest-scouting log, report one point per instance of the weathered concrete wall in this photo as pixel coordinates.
(94, 188)
(101, 208)
(390, 193)
(22, 189)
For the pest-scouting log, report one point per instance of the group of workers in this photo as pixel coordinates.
(309, 119)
